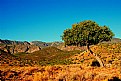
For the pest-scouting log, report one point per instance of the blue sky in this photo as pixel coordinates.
(45, 20)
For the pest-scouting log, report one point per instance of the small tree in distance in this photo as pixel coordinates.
(87, 33)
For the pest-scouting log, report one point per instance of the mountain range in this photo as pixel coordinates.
(24, 46)
(30, 47)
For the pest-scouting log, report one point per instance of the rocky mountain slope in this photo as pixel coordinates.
(24, 46)
(46, 44)
(114, 40)
(30, 47)
(10, 42)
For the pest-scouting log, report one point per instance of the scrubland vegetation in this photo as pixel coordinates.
(79, 68)
(60, 73)
(100, 61)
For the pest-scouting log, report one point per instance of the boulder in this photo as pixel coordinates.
(33, 48)
(20, 48)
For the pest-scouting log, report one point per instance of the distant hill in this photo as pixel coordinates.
(36, 43)
(46, 44)
(17, 46)
(114, 40)
(10, 42)
(29, 47)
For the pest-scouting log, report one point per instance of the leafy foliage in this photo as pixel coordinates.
(86, 32)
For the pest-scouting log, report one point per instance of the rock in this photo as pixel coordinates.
(20, 48)
(12, 49)
(33, 48)
(24, 46)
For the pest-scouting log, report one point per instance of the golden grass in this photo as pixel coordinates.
(59, 73)
(110, 54)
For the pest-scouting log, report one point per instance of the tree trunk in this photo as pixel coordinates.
(97, 58)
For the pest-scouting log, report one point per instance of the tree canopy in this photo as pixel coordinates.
(86, 32)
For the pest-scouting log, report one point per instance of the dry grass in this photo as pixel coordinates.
(110, 54)
(59, 73)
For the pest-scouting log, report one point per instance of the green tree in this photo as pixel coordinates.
(87, 33)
